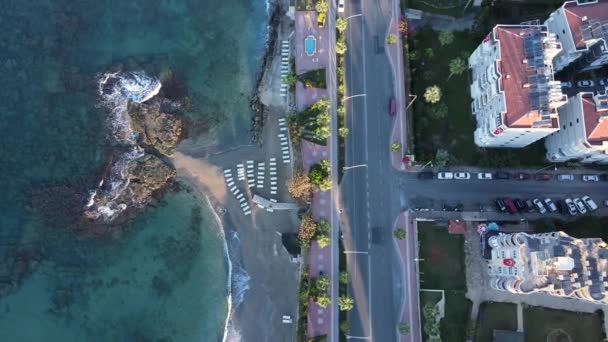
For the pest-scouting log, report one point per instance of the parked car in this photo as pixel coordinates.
(502, 175)
(585, 83)
(550, 205)
(392, 106)
(589, 203)
(590, 178)
(484, 175)
(511, 208)
(602, 82)
(580, 206)
(567, 84)
(445, 175)
(539, 206)
(520, 204)
(565, 177)
(571, 207)
(531, 207)
(500, 205)
(425, 175)
(604, 177)
(462, 175)
(340, 6)
(542, 176)
(521, 176)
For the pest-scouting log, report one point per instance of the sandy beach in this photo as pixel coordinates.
(273, 283)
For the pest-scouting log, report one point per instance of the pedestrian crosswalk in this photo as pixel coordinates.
(284, 66)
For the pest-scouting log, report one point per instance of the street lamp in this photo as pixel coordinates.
(344, 168)
(412, 101)
(352, 96)
(354, 15)
(425, 165)
(548, 166)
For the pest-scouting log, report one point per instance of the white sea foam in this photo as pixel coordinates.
(116, 90)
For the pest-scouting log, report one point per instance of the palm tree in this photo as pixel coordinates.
(446, 38)
(432, 94)
(341, 24)
(457, 67)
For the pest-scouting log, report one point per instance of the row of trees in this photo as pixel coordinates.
(319, 288)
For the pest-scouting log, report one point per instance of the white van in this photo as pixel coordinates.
(445, 175)
(589, 203)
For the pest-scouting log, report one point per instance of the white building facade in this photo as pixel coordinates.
(514, 95)
(582, 29)
(554, 263)
(583, 135)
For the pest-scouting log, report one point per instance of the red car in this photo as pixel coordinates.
(542, 176)
(392, 106)
(511, 208)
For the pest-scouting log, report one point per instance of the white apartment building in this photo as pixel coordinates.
(554, 263)
(584, 131)
(581, 27)
(515, 97)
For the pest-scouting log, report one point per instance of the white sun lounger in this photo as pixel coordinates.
(239, 196)
(231, 183)
(243, 205)
(272, 159)
(242, 200)
(227, 171)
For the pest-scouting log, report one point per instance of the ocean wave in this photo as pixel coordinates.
(116, 90)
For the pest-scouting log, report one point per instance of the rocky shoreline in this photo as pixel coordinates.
(277, 12)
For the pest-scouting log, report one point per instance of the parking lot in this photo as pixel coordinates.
(518, 193)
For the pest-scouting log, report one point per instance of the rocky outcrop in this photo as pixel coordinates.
(147, 175)
(156, 129)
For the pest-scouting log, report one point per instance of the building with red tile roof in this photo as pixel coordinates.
(582, 29)
(515, 97)
(584, 131)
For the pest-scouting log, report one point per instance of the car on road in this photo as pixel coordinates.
(539, 206)
(340, 6)
(484, 175)
(445, 175)
(502, 175)
(580, 206)
(392, 106)
(589, 203)
(571, 207)
(425, 175)
(520, 204)
(500, 205)
(511, 208)
(542, 176)
(585, 84)
(550, 205)
(521, 176)
(530, 206)
(462, 175)
(590, 178)
(565, 177)
(567, 84)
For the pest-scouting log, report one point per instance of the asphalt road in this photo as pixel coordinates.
(368, 193)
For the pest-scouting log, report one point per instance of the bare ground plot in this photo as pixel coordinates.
(541, 324)
(500, 316)
(442, 266)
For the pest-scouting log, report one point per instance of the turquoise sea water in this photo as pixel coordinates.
(162, 277)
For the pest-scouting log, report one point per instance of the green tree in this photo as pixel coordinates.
(413, 55)
(343, 132)
(400, 234)
(322, 283)
(396, 146)
(341, 46)
(323, 300)
(457, 67)
(319, 175)
(438, 111)
(323, 240)
(323, 226)
(345, 303)
(321, 6)
(341, 24)
(432, 94)
(442, 157)
(344, 277)
(403, 26)
(404, 328)
(344, 326)
(290, 79)
(446, 38)
(391, 38)
(429, 53)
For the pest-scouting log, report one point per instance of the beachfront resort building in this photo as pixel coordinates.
(554, 263)
(583, 134)
(582, 30)
(514, 95)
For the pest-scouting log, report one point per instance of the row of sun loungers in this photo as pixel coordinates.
(272, 164)
(228, 178)
(284, 66)
(284, 142)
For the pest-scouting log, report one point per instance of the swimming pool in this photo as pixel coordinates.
(310, 45)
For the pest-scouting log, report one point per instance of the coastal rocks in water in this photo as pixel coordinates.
(155, 128)
(144, 177)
